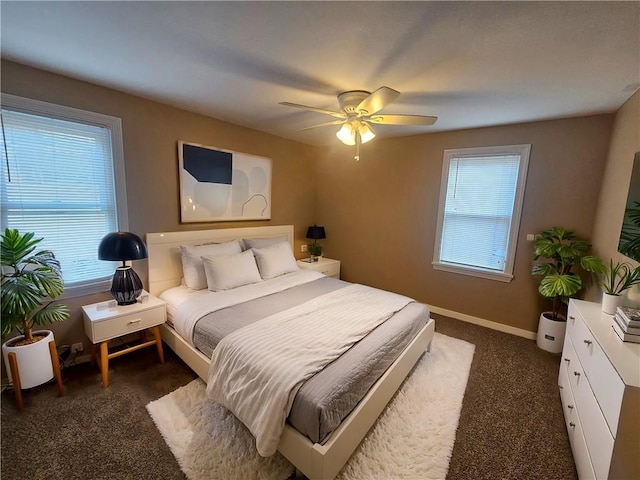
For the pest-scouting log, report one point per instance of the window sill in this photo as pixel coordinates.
(86, 288)
(473, 272)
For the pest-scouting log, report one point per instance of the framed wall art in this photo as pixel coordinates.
(221, 185)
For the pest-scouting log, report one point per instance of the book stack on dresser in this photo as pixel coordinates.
(626, 323)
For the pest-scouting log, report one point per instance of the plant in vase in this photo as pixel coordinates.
(557, 252)
(615, 280)
(30, 280)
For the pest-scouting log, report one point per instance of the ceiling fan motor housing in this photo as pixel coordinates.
(350, 100)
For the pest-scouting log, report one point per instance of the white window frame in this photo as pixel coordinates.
(523, 151)
(114, 124)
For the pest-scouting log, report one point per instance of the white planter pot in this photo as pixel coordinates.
(610, 303)
(551, 333)
(34, 360)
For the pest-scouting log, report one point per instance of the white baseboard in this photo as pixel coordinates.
(483, 323)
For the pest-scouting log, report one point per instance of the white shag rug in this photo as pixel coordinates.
(412, 439)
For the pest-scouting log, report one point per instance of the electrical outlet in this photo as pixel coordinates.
(303, 248)
(77, 348)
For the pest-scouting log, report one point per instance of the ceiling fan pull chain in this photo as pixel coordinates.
(357, 157)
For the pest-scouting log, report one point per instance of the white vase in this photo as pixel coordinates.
(34, 360)
(610, 303)
(551, 333)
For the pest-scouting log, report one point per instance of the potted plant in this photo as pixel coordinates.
(30, 280)
(557, 252)
(315, 250)
(617, 278)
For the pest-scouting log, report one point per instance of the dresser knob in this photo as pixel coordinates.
(571, 424)
(588, 342)
(571, 318)
(577, 374)
(570, 407)
(567, 360)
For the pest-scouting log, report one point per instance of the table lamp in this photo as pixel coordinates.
(315, 233)
(122, 246)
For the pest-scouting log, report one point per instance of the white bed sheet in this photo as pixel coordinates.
(194, 304)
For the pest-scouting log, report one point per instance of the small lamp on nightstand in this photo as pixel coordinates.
(315, 233)
(122, 246)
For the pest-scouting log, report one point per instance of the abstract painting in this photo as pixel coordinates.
(222, 185)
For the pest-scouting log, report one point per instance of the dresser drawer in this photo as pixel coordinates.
(566, 397)
(108, 328)
(605, 382)
(574, 429)
(594, 426)
(582, 339)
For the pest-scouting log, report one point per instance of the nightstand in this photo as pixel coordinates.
(331, 268)
(105, 321)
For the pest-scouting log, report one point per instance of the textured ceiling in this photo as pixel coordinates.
(469, 63)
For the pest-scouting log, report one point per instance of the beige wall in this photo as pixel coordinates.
(150, 133)
(625, 142)
(380, 213)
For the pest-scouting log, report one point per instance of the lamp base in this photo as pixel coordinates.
(126, 286)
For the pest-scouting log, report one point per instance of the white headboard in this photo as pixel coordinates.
(165, 265)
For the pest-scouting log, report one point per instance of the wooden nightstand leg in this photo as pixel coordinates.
(104, 363)
(156, 334)
(56, 367)
(15, 378)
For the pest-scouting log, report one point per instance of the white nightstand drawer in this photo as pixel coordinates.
(102, 323)
(327, 266)
(331, 270)
(118, 326)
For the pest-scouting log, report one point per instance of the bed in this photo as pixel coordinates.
(317, 456)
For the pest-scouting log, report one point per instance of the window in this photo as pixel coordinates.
(479, 213)
(63, 178)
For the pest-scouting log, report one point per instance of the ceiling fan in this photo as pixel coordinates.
(358, 110)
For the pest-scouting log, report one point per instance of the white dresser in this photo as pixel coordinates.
(599, 384)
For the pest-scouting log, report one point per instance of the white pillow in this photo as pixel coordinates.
(263, 242)
(192, 267)
(231, 271)
(275, 260)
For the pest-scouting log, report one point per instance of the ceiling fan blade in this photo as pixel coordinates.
(377, 100)
(402, 119)
(314, 109)
(335, 122)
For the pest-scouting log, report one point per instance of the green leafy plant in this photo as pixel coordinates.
(315, 249)
(557, 252)
(618, 277)
(629, 244)
(28, 279)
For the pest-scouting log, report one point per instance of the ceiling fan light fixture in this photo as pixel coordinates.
(366, 132)
(347, 134)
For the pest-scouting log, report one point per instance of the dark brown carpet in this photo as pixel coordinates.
(511, 426)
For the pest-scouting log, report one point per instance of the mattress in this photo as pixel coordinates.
(328, 397)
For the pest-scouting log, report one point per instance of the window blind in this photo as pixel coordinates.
(58, 182)
(478, 210)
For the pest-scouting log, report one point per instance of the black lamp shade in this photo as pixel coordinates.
(122, 246)
(316, 232)
(126, 286)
